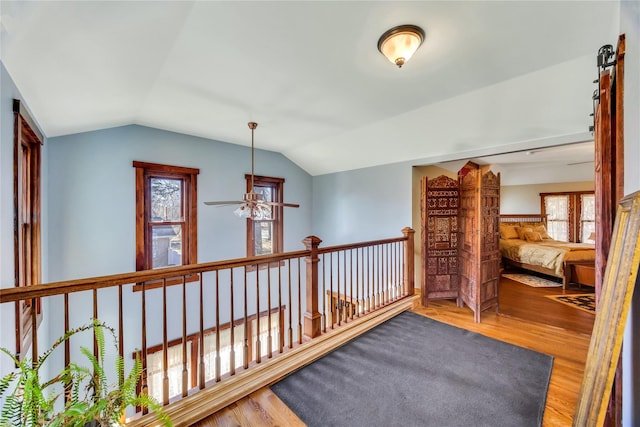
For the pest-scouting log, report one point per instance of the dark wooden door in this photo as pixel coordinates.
(609, 184)
(440, 239)
(468, 242)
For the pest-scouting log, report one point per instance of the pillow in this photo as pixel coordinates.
(508, 232)
(521, 231)
(543, 232)
(531, 224)
(533, 236)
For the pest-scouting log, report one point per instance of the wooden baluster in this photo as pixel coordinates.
(300, 304)
(395, 271)
(258, 349)
(165, 347)
(185, 369)
(351, 307)
(120, 332)
(324, 291)
(385, 266)
(374, 277)
(218, 361)
(358, 282)
(366, 282)
(144, 386)
(280, 315)
(232, 352)
(345, 308)
(67, 347)
(95, 316)
(269, 337)
(331, 300)
(290, 307)
(338, 304)
(399, 269)
(245, 353)
(201, 365)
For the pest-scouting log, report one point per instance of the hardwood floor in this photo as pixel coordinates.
(527, 318)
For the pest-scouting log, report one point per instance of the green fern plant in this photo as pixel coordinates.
(91, 399)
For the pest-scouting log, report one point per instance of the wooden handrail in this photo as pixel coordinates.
(99, 282)
(368, 276)
(78, 285)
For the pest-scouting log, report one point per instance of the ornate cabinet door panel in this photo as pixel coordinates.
(489, 204)
(440, 238)
(468, 248)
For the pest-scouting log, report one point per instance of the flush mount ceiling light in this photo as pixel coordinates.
(400, 43)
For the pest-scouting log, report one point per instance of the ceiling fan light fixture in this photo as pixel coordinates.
(400, 43)
(253, 205)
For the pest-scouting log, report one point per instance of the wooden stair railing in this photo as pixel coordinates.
(253, 308)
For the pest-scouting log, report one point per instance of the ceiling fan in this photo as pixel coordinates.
(252, 204)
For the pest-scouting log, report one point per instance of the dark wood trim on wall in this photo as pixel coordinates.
(19, 108)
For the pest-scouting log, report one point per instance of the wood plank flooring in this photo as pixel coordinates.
(526, 318)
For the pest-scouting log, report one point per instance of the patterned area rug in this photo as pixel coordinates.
(535, 281)
(584, 302)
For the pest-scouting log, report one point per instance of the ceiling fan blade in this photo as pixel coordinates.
(287, 205)
(224, 203)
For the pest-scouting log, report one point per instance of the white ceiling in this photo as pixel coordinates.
(491, 76)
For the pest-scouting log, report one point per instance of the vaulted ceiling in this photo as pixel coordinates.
(491, 76)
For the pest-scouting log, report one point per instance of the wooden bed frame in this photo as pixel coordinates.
(580, 272)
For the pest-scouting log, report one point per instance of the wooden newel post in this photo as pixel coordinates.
(409, 275)
(312, 317)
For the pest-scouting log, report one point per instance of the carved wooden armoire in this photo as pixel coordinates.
(478, 241)
(440, 239)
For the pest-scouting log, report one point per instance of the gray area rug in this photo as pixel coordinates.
(414, 371)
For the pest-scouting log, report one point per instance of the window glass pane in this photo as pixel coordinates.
(263, 237)
(557, 210)
(587, 217)
(166, 242)
(267, 193)
(166, 199)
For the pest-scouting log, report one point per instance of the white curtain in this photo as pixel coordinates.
(557, 210)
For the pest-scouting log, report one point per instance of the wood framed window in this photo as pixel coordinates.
(265, 236)
(570, 215)
(166, 216)
(27, 243)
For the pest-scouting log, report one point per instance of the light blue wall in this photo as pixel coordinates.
(630, 26)
(363, 204)
(92, 190)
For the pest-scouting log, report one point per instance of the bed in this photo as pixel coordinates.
(524, 243)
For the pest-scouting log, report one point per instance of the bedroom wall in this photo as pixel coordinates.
(525, 199)
(630, 26)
